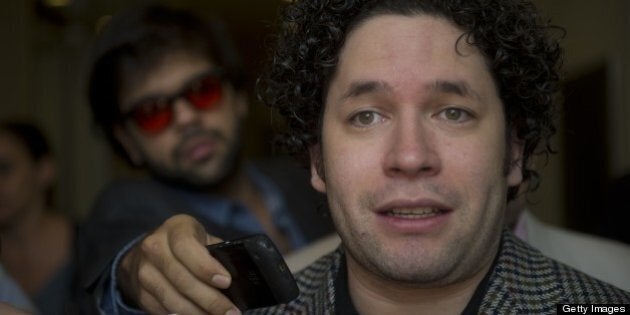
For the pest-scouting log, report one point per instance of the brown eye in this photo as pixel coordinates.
(365, 118)
(456, 115)
(453, 114)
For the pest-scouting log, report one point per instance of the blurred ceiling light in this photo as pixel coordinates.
(57, 3)
(100, 23)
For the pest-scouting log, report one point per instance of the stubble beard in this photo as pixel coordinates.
(226, 165)
(415, 266)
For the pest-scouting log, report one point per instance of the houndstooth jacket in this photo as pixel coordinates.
(523, 281)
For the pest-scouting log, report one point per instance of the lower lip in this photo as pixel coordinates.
(201, 152)
(423, 225)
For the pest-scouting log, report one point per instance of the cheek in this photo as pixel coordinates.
(351, 170)
(224, 117)
(226, 124)
(476, 165)
(16, 189)
(159, 149)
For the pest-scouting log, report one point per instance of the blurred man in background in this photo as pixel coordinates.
(166, 86)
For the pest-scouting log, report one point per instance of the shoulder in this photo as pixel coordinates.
(10, 292)
(301, 258)
(133, 203)
(553, 237)
(316, 284)
(130, 187)
(526, 281)
(140, 192)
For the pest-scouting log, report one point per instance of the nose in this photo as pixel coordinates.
(412, 150)
(184, 113)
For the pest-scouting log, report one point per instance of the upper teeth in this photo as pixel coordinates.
(413, 211)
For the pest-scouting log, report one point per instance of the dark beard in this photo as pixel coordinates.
(182, 180)
(228, 167)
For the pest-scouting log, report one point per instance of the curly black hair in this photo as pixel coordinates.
(521, 49)
(135, 40)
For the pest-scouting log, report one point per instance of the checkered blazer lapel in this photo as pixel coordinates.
(524, 281)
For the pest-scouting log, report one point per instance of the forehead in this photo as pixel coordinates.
(166, 74)
(400, 49)
(10, 145)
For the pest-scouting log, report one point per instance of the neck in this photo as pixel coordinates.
(235, 186)
(35, 248)
(372, 294)
(241, 187)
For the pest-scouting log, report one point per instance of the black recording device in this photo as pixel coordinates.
(260, 276)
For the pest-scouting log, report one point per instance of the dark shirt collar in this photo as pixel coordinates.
(343, 302)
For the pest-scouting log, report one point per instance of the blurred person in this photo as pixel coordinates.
(602, 258)
(166, 87)
(12, 298)
(8, 309)
(419, 118)
(37, 242)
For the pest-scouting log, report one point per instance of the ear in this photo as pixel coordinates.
(47, 172)
(515, 172)
(317, 171)
(128, 143)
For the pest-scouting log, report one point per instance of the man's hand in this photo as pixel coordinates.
(171, 271)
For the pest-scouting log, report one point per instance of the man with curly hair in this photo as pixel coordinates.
(420, 119)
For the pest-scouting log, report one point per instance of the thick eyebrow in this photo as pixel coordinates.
(360, 88)
(459, 88)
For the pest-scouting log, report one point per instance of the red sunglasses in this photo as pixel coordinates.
(153, 115)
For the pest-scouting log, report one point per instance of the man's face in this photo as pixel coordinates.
(413, 151)
(199, 147)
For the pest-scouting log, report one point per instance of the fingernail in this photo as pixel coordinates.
(221, 281)
(233, 312)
